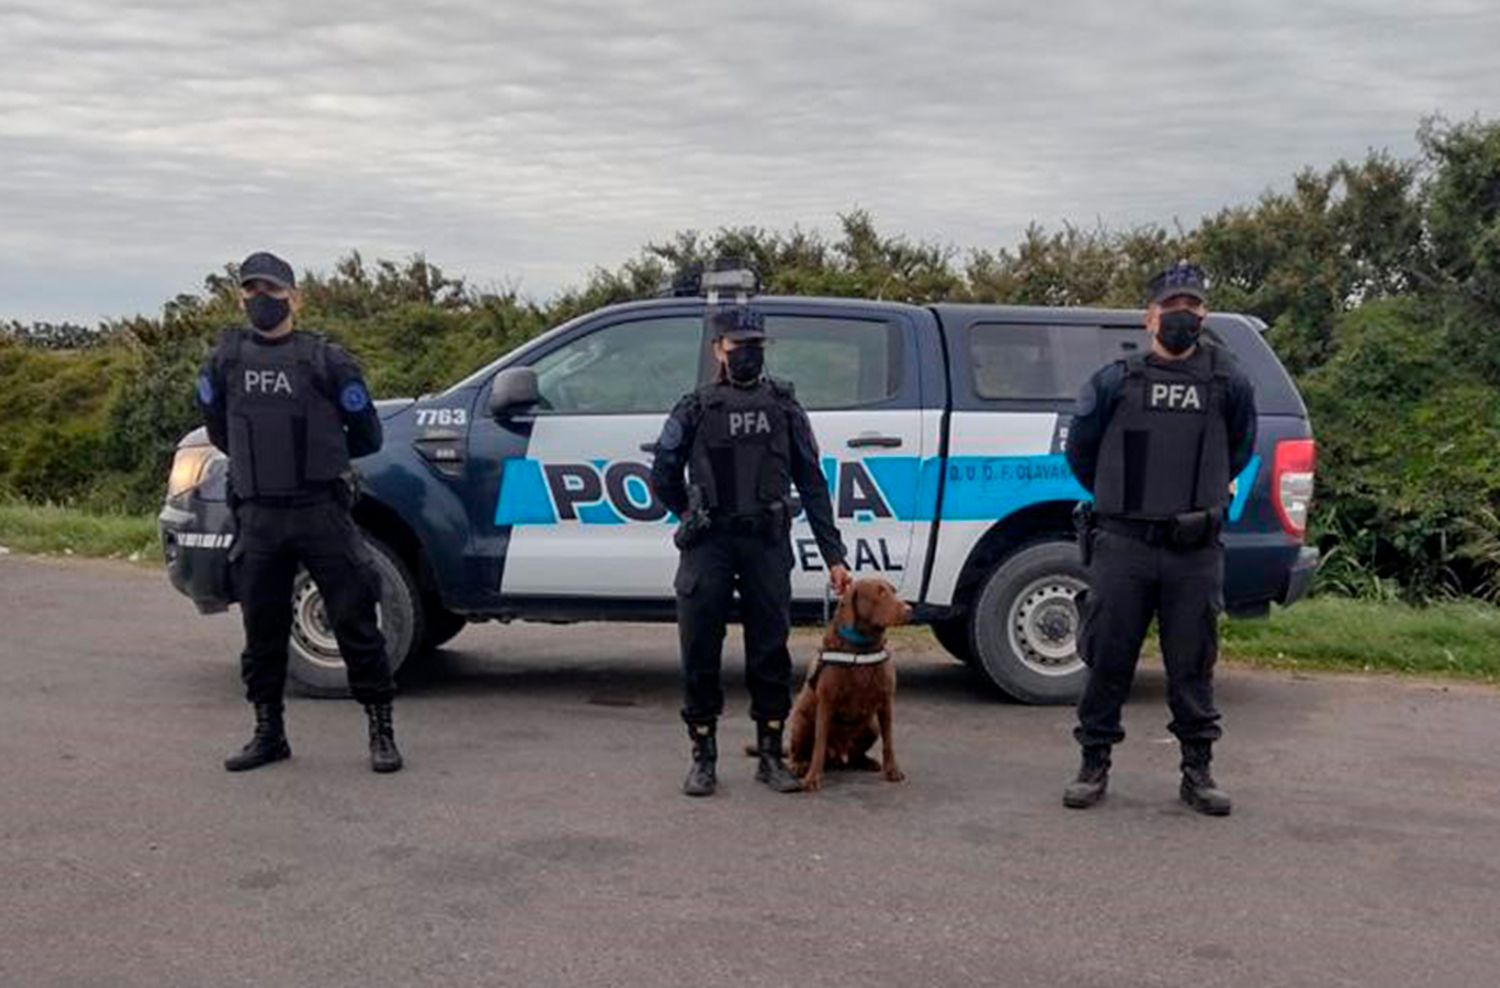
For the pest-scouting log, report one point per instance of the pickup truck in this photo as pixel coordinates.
(521, 492)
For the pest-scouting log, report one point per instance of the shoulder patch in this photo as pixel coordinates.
(205, 390)
(1088, 400)
(354, 398)
(782, 388)
(671, 434)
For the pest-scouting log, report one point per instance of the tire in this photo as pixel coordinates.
(955, 635)
(1025, 621)
(314, 665)
(439, 625)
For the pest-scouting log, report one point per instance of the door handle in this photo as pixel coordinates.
(648, 447)
(872, 439)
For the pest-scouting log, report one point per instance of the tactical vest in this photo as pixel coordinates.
(1165, 451)
(741, 454)
(286, 436)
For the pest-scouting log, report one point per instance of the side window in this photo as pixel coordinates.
(1036, 362)
(1122, 341)
(835, 363)
(639, 367)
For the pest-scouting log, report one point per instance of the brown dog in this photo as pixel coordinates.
(850, 692)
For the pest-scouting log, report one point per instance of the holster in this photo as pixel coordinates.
(347, 489)
(1195, 529)
(1083, 525)
(778, 522)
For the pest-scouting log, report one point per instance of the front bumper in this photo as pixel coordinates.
(196, 536)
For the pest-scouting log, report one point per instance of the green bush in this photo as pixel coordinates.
(58, 463)
(1408, 466)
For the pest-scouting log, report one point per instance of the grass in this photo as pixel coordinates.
(1455, 638)
(55, 530)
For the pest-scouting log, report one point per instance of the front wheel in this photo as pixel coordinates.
(1025, 624)
(955, 635)
(314, 665)
(440, 624)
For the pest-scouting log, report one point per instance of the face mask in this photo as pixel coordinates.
(266, 313)
(1178, 331)
(746, 363)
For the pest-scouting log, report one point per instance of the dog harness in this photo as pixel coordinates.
(854, 658)
(854, 637)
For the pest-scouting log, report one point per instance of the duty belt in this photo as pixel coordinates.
(301, 499)
(1151, 532)
(1193, 530)
(741, 524)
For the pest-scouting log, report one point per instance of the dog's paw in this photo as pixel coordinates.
(894, 774)
(812, 782)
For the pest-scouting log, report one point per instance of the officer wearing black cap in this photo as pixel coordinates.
(291, 410)
(1157, 438)
(743, 441)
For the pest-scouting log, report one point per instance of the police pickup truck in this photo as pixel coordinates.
(521, 491)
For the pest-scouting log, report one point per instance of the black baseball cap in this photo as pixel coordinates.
(739, 323)
(265, 266)
(1181, 278)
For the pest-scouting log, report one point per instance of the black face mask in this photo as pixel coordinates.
(746, 363)
(266, 313)
(1178, 331)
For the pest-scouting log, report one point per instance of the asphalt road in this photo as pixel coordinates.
(537, 837)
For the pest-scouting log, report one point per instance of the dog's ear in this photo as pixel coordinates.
(889, 609)
(862, 602)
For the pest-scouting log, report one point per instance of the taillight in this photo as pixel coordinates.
(1292, 483)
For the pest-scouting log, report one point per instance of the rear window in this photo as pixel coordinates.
(1014, 361)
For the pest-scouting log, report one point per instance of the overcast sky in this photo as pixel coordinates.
(143, 145)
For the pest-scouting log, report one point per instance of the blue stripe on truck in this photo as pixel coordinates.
(979, 488)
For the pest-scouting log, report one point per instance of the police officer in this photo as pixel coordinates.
(1156, 438)
(743, 441)
(291, 409)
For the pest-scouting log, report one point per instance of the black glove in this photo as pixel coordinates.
(695, 522)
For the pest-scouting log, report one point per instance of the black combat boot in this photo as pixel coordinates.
(703, 777)
(772, 770)
(384, 756)
(1093, 779)
(1198, 788)
(268, 743)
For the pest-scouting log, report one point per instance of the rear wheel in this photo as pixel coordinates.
(314, 666)
(1025, 621)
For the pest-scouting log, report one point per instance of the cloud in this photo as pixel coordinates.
(146, 144)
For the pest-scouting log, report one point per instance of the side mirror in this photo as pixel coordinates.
(513, 390)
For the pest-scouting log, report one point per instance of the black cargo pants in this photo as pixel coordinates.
(708, 575)
(321, 536)
(1131, 582)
